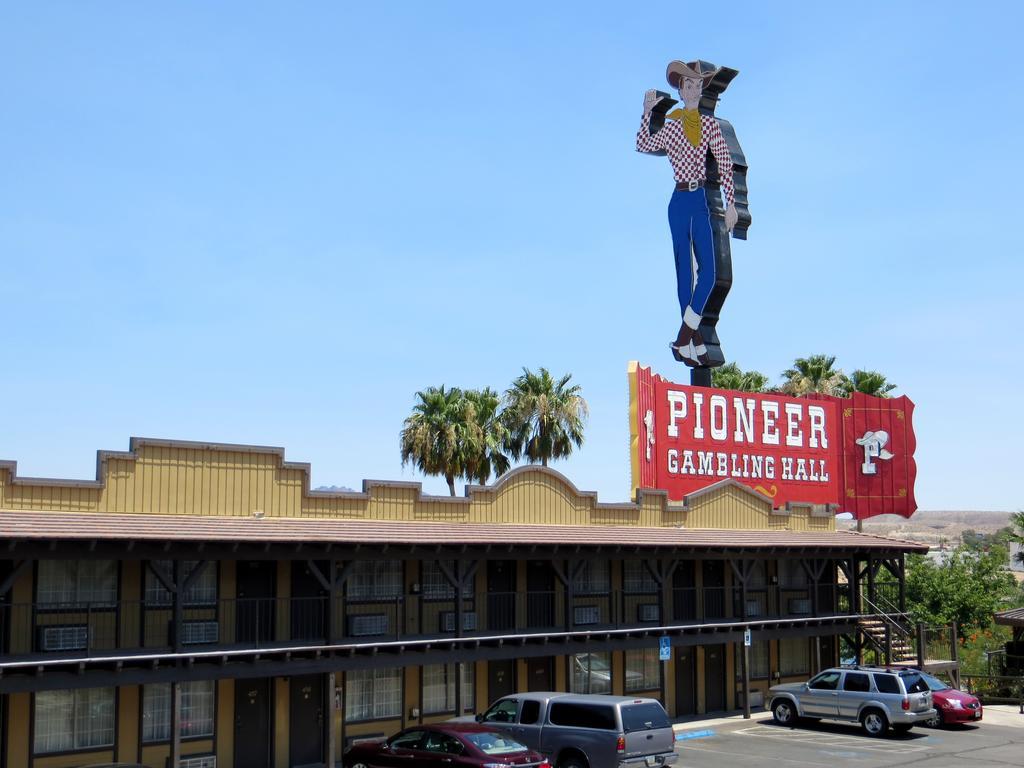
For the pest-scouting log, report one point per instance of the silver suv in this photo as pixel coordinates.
(587, 730)
(876, 697)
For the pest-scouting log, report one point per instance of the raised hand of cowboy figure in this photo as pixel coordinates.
(688, 136)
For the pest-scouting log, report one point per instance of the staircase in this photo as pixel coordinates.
(889, 632)
(901, 644)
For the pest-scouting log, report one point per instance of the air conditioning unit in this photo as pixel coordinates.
(198, 632)
(586, 614)
(197, 761)
(799, 605)
(367, 624)
(468, 621)
(67, 637)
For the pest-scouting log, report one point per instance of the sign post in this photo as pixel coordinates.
(746, 673)
(664, 649)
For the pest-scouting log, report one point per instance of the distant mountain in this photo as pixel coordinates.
(335, 489)
(934, 528)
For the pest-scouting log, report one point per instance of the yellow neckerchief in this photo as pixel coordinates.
(690, 119)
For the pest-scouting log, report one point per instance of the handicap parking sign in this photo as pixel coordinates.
(664, 649)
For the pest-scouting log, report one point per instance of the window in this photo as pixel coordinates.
(637, 578)
(643, 670)
(375, 580)
(644, 717)
(794, 656)
(792, 574)
(826, 681)
(441, 743)
(202, 590)
(857, 681)
(73, 720)
(502, 712)
(914, 683)
(530, 713)
(759, 660)
(593, 578)
(409, 740)
(583, 715)
(197, 710)
(435, 584)
(373, 694)
(77, 581)
(439, 688)
(591, 673)
(886, 684)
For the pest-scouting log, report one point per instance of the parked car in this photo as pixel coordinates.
(951, 705)
(876, 697)
(461, 745)
(587, 730)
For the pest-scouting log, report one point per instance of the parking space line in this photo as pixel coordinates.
(830, 740)
(758, 758)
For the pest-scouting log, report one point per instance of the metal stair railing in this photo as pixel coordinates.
(893, 628)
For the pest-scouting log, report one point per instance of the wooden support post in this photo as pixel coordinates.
(902, 576)
(19, 568)
(458, 633)
(332, 599)
(817, 654)
(330, 749)
(872, 597)
(175, 722)
(888, 644)
(955, 653)
(179, 617)
(920, 646)
(855, 587)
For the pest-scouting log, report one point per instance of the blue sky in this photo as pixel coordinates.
(273, 223)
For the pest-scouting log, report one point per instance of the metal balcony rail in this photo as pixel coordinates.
(96, 627)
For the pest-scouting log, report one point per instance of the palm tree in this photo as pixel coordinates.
(439, 434)
(730, 376)
(868, 382)
(490, 437)
(544, 417)
(813, 374)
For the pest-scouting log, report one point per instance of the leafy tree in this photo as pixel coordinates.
(967, 588)
(491, 435)
(868, 382)
(544, 416)
(813, 374)
(440, 436)
(730, 376)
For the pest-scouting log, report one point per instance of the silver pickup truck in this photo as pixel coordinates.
(587, 730)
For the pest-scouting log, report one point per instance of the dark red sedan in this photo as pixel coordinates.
(951, 705)
(444, 745)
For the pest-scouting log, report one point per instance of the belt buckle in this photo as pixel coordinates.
(693, 185)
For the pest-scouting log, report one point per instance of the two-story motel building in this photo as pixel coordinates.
(200, 601)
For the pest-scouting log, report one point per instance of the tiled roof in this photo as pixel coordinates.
(1012, 618)
(38, 525)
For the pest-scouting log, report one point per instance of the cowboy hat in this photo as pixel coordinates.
(695, 70)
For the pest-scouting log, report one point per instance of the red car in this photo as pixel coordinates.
(951, 705)
(465, 745)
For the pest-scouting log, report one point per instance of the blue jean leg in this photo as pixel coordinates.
(690, 221)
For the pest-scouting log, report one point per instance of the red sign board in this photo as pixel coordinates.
(855, 453)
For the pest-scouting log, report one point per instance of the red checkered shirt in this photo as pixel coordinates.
(688, 161)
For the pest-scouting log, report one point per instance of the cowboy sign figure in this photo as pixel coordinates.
(687, 136)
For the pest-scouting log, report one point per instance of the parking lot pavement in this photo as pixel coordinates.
(743, 743)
